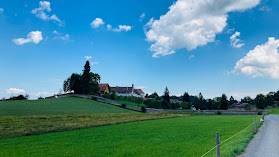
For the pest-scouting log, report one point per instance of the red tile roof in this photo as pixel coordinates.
(122, 89)
(138, 91)
(103, 86)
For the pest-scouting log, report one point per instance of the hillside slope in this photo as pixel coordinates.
(70, 105)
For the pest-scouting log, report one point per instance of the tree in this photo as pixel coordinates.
(199, 102)
(113, 95)
(166, 95)
(209, 104)
(146, 95)
(269, 100)
(216, 103)
(87, 83)
(85, 79)
(154, 96)
(246, 99)
(186, 97)
(224, 102)
(260, 101)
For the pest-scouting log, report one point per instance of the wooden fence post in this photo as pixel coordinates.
(217, 145)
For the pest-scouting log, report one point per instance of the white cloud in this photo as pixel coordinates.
(55, 32)
(264, 8)
(262, 61)
(97, 23)
(1, 10)
(122, 28)
(142, 16)
(44, 6)
(109, 27)
(189, 24)
(15, 91)
(191, 57)
(34, 36)
(88, 57)
(234, 41)
(94, 63)
(44, 94)
(60, 36)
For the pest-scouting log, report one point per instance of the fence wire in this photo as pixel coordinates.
(227, 139)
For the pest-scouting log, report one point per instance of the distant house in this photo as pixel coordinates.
(239, 106)
(127, 91)
(175, 101)
(104, 88)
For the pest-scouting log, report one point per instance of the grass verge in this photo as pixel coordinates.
(273, 110)
(31, 125)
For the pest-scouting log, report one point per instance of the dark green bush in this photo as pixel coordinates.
(143, 109)
(94, 98)
(151, 103)
(123, 105)
(260, 113)
(219, 113)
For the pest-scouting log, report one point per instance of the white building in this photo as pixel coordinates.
(127, 91)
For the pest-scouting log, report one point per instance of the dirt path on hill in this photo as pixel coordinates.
(266, 141)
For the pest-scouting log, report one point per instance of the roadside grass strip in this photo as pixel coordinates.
(228, 139)
(273, 110)
(180, 136)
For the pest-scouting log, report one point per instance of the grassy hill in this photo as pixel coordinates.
(70, 105)
(182, 136)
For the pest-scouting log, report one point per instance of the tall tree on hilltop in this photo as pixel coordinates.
(186, 97)
(224, 102)
(166, 95)
(85, 83)
(85, 79)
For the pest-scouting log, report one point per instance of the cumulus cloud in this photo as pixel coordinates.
(189, 24)
(262, 61)
(34, 36)
(15, 91)
(88, 57)
(1, 10)
(142, 16)
(44, 6)
(234, 41)
(121, 28)
(97, 23)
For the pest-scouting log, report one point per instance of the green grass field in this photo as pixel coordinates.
(34, 125)
(273, 111)
(130, 103)
(181, 136)
(70, 105)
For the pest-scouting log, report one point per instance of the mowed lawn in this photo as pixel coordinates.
(70, 105)
(181, 136)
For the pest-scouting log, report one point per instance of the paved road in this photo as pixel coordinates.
(266, 141)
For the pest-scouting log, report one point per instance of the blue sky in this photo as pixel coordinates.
(214, 48)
